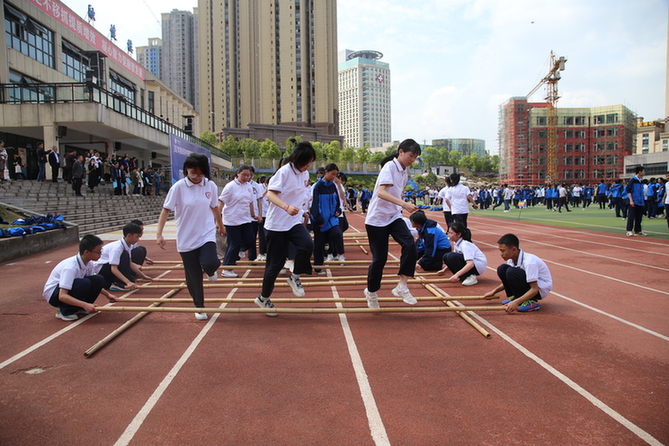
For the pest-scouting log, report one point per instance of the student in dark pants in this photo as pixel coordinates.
(634, 190)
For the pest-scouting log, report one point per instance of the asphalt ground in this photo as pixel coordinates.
(590, 368)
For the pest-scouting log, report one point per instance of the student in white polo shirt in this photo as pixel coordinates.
(115, 263)
(287, 194)
(525, 277)
(73, 286)
(384, 219)
(236, 206)
(194, 200)
(466, 260)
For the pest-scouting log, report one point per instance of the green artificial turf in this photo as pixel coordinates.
(593, 218)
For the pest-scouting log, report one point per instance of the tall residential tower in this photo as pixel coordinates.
(271, 62)
(364, 99)
(179, 67)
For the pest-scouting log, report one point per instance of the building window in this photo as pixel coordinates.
(568, 134)
(75, 62)
(665, 145)
(599, 133)
(568, 174)
(611, 159)
(598, 160)
(579, 174)
(612, 131)
(611, 173)
(541, 134)
(579, 120)
(541, 161)
(598, 146)
(598, 173)
(568, 120)
(580, 147)
(568, 147)
(541, 120)
(612, 118)
(568, 160)
(599, 119)
(579, 160)
(28, 37)
(120, 85)
(612, 145)
(645, 138)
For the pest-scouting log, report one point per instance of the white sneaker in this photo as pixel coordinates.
(630, 234)
(289, 265)
(229, 273)
(296, 285)
(262, 257)
(470, 280)
(405, 294)
(201, 316)
(341, 258)
(265, 302)
(213, 277)
(372, 299)
(330, 258)
(66, 317)
(242, 254)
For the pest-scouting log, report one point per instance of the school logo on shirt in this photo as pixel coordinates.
(306, 183)
(208, 195)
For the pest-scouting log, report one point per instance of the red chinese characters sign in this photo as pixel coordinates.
(74, 23)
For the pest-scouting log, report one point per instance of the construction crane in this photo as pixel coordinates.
(551, 81)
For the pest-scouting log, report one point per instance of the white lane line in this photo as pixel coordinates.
(636, 430)
(583, 252)
(619, 319)
(144, 412)
(615, 240)
(376, 426)
(57, 334)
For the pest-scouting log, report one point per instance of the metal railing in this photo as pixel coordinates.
(33, 93)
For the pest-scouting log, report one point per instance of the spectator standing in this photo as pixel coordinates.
(70, 158)
(78, 174)
(41, 162)
(54, 162)
(634, 190)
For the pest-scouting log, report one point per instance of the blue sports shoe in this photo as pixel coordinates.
(506, 302)
(529, 305)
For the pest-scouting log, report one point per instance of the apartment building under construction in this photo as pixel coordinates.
(591, 142)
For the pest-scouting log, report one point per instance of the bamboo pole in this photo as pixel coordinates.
(298, 300)
(306, 310)
(259, 279)
(362, 247)
(305, 284)
(449, 304)
(111, 336)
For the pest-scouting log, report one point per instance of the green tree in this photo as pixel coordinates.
(250, 148)
(432, 156)
(318, 148)
(363, 154)
(454, 158)
(230, 146)
(332, 151)
(431, 179)
(290, 145)
(348, 154)
(209, 138)
(419, 180)
(270, 149)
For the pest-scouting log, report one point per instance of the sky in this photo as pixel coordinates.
(454, 62)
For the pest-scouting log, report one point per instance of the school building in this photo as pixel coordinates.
(66, 84)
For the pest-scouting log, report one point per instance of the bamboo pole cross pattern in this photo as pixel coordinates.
(305, 310)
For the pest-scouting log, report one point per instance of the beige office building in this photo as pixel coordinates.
(269, 62)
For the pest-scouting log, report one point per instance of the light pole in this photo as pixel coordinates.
(213, 121)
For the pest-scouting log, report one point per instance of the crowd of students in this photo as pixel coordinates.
(279, 215)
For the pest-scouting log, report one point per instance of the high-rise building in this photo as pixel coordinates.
(269, 62)
(591, 142)
(179, 61)
(149, 56)
(364, 99)
(466, 146)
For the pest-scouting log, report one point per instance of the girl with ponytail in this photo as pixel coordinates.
(466, 260)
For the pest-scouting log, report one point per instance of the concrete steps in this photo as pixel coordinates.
(95, 213)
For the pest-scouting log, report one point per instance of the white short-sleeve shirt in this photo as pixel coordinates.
(457, 196)
(536, 270)
(111, 254)
(192, 204)
(471, 252)
(65, 272)
(442, 195)
(382, 212)
(237, 198)
(292, 186)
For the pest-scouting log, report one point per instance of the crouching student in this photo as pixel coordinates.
(434, 242)
(525, 277)
(115, 265)
(466, 260)
(73, 286)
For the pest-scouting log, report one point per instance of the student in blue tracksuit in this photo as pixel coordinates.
(434, 242)
(587, 196)
(634, 190)
(325, 212)
(617, 193)
(601, 194)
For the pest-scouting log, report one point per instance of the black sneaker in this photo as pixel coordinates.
(265, 302)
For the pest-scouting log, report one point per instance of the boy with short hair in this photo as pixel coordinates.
(433, 244)
(525, 277)
(73, 286)
(115, 264)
